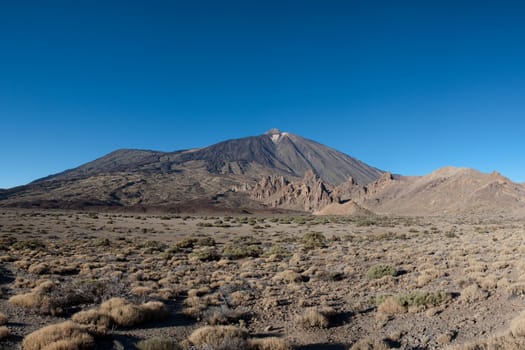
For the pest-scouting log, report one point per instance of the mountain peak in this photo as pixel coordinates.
(273, 131)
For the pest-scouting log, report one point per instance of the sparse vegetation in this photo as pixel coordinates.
(220, 338)
(403, 302)
(158, 343)
(313, 240)
(114, 285)
(66, 335)
(313, 318)
(239, 251)
(379, 271)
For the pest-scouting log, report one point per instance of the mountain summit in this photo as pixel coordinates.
(223, 173)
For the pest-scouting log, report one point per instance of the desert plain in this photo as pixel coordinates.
(91, 280)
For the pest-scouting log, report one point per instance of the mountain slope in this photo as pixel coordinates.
(272, 153)
(219, 175)
(446, 191)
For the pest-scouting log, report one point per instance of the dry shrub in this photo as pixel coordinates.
(65, 335)
(197, 292)
(489, 282)
(141, 291)
(23, 283)
(158, 343)
(93, 318)
(48, 298)
(219, 338)
(385, 281)
(62, 268)
(4, 332)
(445, 338)
(38, 301)
(194, 306)
(218, 315)
(240, 297)
(391, 306)
(39, 268)
(473, 293)
(126, 314)
(214, 316)
(288, 276)
(154, 310)
(313, 318)
(370, 344)
(271, 343)
(122, 312)
(313, 240)
(164, 294)
(428, 276)
(3, 319)
(195, 302)
(379, 271)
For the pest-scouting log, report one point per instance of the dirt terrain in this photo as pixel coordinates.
(301, 282)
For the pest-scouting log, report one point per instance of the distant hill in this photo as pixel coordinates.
(446, 191)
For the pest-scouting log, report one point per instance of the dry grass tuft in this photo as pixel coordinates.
(379, 271)
(154, 310)
(37, 300)
(271, 343)
(94, 319)
(240, 297)
(473, 293)
(220, 338)
(4, 332)
(391, 306)
(3, 319)
(122, 312)
(370, 344)
(158, 343)
(288, 276)
(65, 335)
(126, 314)
(313, 318)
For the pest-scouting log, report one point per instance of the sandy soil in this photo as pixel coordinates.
(314, 282)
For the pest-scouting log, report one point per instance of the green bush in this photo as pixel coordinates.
(153, 246)
(313, 240)
(379, 271)
(206, 242)
(206, 254)
(186, 243)
(423, 298)
(31, 244)
(239, 251)
(278, 251)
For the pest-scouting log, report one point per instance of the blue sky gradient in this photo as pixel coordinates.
(406, 86)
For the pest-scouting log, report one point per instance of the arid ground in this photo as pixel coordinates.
(126, 281)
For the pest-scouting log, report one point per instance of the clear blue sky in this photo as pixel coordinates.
(406, 86)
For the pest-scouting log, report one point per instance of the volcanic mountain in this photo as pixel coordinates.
(221, 175)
